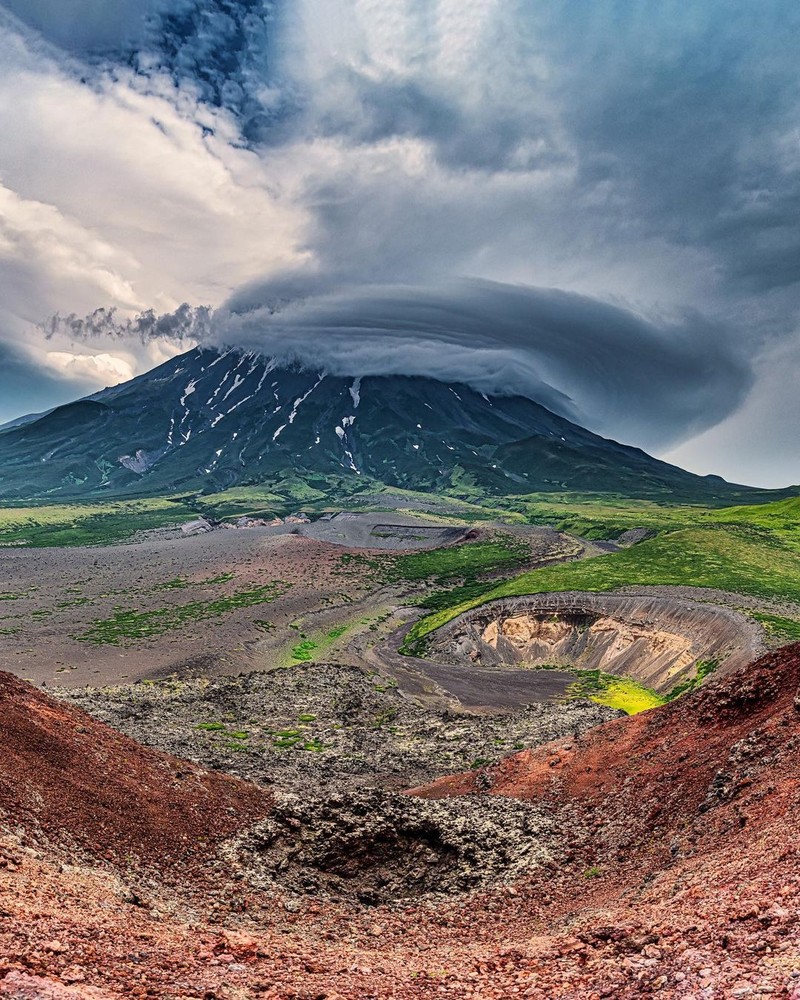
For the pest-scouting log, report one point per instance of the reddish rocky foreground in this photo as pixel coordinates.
(68, 779)
(676, 839)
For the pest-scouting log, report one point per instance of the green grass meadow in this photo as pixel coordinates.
(57, 525)
(751, 550)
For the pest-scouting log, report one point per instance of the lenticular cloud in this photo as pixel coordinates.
(605, 366)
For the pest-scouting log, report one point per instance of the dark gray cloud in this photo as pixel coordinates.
(655, 380)
(184, 324)
(224, 48)
(691, 115)
(669, 125)
(86, 25)
(489, 138)
(610, 369)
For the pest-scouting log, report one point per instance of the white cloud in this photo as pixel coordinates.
(48, 255)
(111, 196)
(109, 368)
(116, 197)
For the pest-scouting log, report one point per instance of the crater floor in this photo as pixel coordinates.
(656, 640)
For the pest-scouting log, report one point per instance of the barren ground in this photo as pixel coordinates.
(652, 856)
(51, 600)
(232, 817)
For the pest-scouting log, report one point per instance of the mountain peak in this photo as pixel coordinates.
(208, 420)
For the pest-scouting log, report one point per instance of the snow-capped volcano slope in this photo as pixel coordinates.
(210, 420)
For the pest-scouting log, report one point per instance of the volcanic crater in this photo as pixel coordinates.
(658, 641)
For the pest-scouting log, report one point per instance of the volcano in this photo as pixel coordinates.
(210, 420)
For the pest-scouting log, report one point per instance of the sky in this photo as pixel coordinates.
(596, 204)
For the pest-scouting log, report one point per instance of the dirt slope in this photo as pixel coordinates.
(657, 784)
(67, 779)
(675, 869)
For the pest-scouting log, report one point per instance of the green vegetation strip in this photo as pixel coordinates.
(309, 649)
(73, 524)
(704, 669)
(126, 625)
(616, 692)
(181, 583)
(596, 516)
(466, 565)
(743, 558)
(787, 629)
(465, 562)
(629, 695)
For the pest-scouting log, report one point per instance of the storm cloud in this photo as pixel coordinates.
(86, 25)
(32, 389)
(622, 184)
(598, 364)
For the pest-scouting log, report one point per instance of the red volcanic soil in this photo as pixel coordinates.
(660, 783)
(675, 841)
(684, 822)
(68, 779)
(656, 784)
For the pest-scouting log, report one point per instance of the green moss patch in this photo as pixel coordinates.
(622, 693)
(304, 651)
(785, 629)
(126, 625)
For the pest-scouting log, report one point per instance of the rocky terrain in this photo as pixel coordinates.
(655, 639)
(324, 728)
(225, 601)
(652, 855)
(244, 789)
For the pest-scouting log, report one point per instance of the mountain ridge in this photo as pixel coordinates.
(208, 420)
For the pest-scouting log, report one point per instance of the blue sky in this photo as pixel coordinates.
(595, 202)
